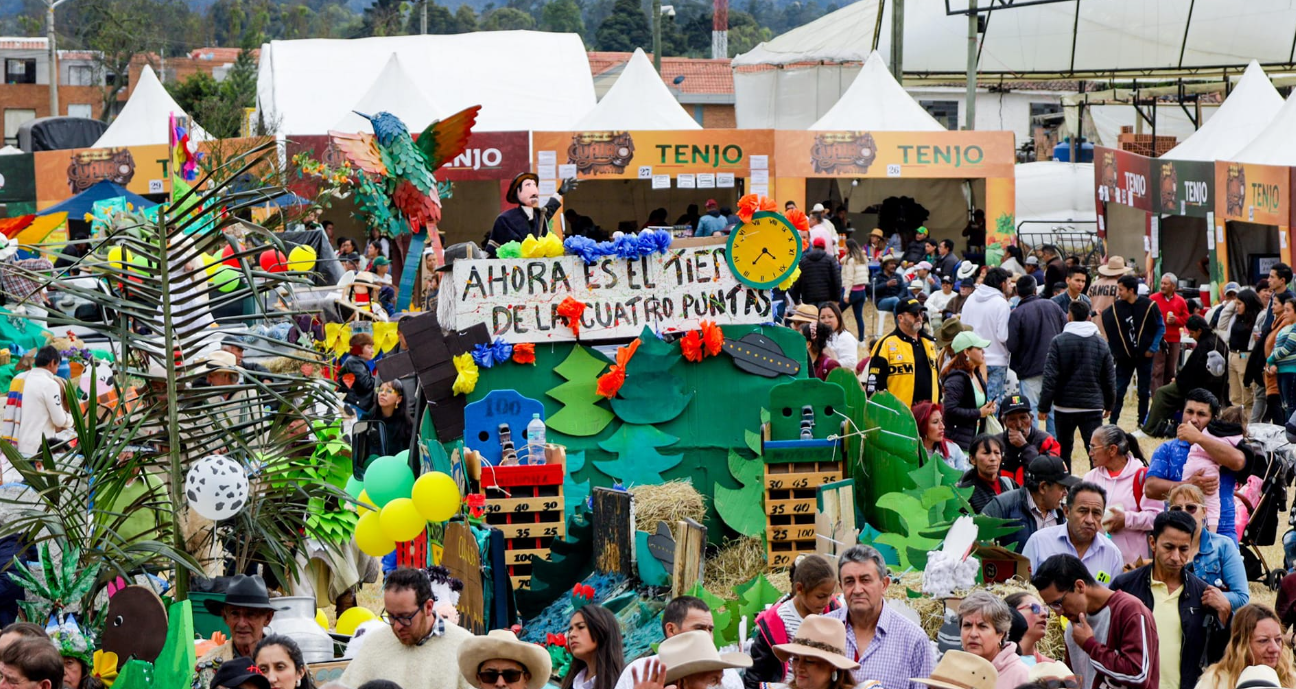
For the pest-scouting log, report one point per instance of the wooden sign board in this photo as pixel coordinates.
(613, 540)
(323, 673)
(690, 542)
(463, 558)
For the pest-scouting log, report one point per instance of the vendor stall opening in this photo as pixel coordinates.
(627, 174)
(1252, 222)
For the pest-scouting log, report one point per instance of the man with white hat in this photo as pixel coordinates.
(1102, 293)
(499, 661)
(823, 228)
(689, 661)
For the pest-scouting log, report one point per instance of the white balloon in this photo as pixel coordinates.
(217, 487)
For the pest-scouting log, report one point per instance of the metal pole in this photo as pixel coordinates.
(970, 110)
(53, 61)
(423, 21)
(897, 40)
(657, 35)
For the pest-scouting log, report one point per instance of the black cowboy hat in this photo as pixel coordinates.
(516, 185)
(243, 591)
(237, 672)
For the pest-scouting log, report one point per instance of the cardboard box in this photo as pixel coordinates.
(998, 564)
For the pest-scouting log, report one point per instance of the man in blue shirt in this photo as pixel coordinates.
(1166, 469)
(713, 222)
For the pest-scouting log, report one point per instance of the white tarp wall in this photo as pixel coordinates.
(524, 80)
(1251, 106)
(876, 102)
(1275, 145)
(146, 117)
(1055, 192)
(637, 101)
(394, 91)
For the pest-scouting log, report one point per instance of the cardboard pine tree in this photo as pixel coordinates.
(638, 462)
(651, 393)
(581, 414)
(576, 494)
(742, 509)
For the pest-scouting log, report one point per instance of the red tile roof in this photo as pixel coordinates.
(21, 43)
(221, 55)
(700, 75)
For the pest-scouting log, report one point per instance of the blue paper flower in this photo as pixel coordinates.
(626, 247)
(586, 248)
(501, 351)
(483, 355)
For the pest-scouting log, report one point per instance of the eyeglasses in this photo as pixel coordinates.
(492, 676)
(1190, 508)
(403, 620)
(1034, 608)
(1057, 604)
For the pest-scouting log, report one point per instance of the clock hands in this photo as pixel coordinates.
(764, 252)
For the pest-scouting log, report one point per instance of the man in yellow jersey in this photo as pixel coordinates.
(904, 362)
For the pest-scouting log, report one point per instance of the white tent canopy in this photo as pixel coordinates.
(1275, 145)
(1055, 192)
(523, 80)
(637, 101)
(1171, 120)
(1251, 106)
(875, 101)
(394, 92)
(146, 116)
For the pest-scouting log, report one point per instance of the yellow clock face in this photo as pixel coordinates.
(765, 251)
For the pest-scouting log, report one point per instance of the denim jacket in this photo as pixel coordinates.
(1219, 564)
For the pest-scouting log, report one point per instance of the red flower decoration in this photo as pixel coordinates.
(691, 346)
(583, 591)
(798, 218)
(556, 640)
(712, 337)
(747, 206)
(524, 353)
(476, 504)
(768, 204)
(571, 309)
(609, 383)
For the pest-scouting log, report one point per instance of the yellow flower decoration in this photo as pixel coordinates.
(531, 247)
(105, 667)
(787, 284)
(551, 246)
(385, 336)
(337, 338)
(466, 381)
(89, 217)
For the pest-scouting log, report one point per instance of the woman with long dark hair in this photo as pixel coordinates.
(818, 351)
(840, 340)
(396, 427)
(279, 658)
(963, 389)
(855, 282)
(1249, 308)
(984, 478)
(594, 640)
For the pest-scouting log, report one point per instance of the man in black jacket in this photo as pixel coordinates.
(946, 261)
(1037, 504)
(1134, 328)
(1080, 363)
(1023, 440)
(917, 249)
(1031, 328)
(1191, 616)
(888, 285)
(1201, 370)
(820, 279)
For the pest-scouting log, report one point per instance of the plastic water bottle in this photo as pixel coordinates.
(535, 440)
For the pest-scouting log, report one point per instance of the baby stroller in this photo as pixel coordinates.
(1278, 456)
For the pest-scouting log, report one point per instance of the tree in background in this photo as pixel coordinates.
(465, 20)
(625, 29)
(383, 18)
(507, 19)
(745, 33)
(218, 107)
(562, 16)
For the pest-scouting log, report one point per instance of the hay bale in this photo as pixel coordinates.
(667, 502)
(737, 562)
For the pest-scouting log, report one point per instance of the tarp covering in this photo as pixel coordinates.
(394, 91)
(1251, 106)
(876, 102)
(1107, 120)
(59, 133)
(637, 101)
(146, 117)
(524, 80)
(77, 206)
(1055, 192)
(1274, 145)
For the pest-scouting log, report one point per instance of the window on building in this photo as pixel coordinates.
(13, 119)
(80, 75)
(20, 70)
(80, 110)
(945, 112)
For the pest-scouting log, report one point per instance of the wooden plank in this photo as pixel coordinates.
(545, 530)
(791, 532)
(524, 504)
(614, 537)
(521, 582)
(800, 480)
(523, 557)
(690, 542)
(835, 519)
(794, 506)
(463, 559)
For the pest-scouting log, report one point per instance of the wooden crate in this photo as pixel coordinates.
(790, 507)
(526, 504)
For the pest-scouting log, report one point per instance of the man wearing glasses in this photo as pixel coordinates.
(414, 644)
(1112, 639)
(499, 661)
(1081, 536)
(1185, 614)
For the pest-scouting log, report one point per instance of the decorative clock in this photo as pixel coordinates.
(764, 252)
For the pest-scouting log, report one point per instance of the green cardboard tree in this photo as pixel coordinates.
(890, 452)
(575, 494)
(742, 509)
(651, 393)
(754, 596)
(581, 414)
(638, 463)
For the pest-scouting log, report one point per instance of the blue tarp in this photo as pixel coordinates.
(77, 206)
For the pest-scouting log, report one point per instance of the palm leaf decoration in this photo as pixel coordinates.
(161, 311)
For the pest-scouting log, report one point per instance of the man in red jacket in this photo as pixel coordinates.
(1174, 311)
(1112, 639)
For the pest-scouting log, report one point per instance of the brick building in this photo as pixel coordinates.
(24, 94)
(706, 89)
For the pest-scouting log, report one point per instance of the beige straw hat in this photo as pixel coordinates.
(819, 637)
(502, 644)
(961, 670)
(693, 652)
(1115, 267)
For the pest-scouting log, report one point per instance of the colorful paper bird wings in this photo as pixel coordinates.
(422, 210)
(362, 150)
(443, 140)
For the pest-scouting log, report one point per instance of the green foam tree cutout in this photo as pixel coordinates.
(651, 393)
(726, 627)
(891, 451)
(754, 596)
(638, 463)
(924, 511)
(575, 494)
(742, 509)
(581, 414)
(174, 665)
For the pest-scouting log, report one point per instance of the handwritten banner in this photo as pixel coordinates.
(517, 299)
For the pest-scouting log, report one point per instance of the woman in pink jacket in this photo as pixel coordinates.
(1120, 469)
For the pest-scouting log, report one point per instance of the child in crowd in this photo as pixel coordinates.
(1229, 427)
(813, 584)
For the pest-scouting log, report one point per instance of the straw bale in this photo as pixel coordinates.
(667, 502)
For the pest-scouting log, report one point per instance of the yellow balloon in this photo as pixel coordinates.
(436, 496)
(118, 257)
(321, 619)
(349, 621)
(370, 538)
(211, 262)
(366, 505)
(401, 521)
(302, 258)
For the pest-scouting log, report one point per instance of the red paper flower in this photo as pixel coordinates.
(768, 204)
(609, 383)
(556, 640)
(583, 591)
(524, 353)
(747, 206)
(476, 504)
(798, 218)
(691, 346)
(712, 337)
(571, 309)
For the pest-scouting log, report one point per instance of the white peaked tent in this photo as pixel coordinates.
(146, 116)
(1274, 145)
(637, 101)
(1251, 106)
(394, 91)
(875, 101)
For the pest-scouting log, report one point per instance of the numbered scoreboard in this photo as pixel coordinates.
(525, 502)
(790, 507)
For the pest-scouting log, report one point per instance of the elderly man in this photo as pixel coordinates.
(1022, 439)
(1174, 313)
(1037, 504)
(1080, 536)
(247, 612)
(683, 614)
(499, 661)
(889, 648)
(18, 631)
(416, 641)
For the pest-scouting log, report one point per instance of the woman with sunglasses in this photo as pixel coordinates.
(1216, 559)
(1036, 616)
(1256, 638)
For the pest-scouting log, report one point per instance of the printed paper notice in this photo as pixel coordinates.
(760, 162)
(759, 177)
(686, 181)
(706, 180)
(156, 186)
(548, 172)
(661, 181)
(566, 171)
(725, 180)
(759, 189)
(548, 187)
(547, 157)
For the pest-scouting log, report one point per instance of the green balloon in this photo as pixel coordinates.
(388, 478)
(226, 279)
(354, 487)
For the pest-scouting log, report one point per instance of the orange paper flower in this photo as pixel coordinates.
(691, 346)
(798, 218)
(610, 383)
(524, 353)
(768, 204)
(712, 338)
(747, 206)
(571, 309)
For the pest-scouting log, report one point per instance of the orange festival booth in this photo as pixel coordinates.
(1252, 222)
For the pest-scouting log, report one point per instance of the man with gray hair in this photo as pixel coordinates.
(888, 647)
(1174, 311)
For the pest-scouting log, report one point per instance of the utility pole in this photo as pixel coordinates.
(897, 40)
(970, 110)
(423, 21)
(53, 55)
(657, 11)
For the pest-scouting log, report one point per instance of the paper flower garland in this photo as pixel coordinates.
(699, 344)
(524, 353)
(610, 383)
(511, 249)
(750, 204)
(571, 309)
(625, 246)
(496, 352)
(547, 246)
(791, 280)
(466, 381)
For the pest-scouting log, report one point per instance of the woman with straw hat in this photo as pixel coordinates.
(961, 670)
(689, 661)
(817, 655)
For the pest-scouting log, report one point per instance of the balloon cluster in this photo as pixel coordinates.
(395, 508)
